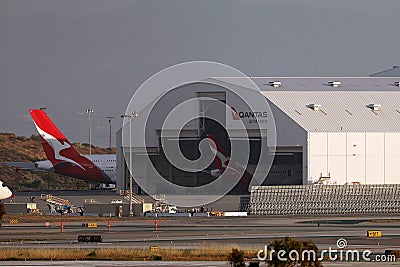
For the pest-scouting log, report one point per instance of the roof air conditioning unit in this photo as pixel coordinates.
(316, 107)
(334, 83)
(275, 84)
(375, 107)
(397, 83)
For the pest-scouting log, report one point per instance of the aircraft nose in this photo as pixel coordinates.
(5, 193)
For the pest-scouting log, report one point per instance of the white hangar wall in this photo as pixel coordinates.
(364, 157)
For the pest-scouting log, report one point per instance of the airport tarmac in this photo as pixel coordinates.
(78, 198)
(251, 231)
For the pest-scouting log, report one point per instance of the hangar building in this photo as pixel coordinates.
(329, 130)
(349, 133)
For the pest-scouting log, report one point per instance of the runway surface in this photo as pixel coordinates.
(254, 232)
(195, 232)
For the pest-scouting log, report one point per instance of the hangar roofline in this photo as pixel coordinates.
(305, 77)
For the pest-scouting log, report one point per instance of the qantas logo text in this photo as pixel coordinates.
(253, 114)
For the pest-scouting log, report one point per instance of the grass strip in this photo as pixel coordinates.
(209, 253)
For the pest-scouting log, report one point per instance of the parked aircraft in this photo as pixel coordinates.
(5, 192)
(64, 159)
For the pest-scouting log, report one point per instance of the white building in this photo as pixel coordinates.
(349, 133)
(333, 130)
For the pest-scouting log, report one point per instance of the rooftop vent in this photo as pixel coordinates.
(375, 107)
(397, 83)
(334, 83)
(316, 107)
(275, 84)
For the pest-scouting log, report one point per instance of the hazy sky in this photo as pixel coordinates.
(73, 54)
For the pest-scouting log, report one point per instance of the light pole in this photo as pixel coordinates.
(109, 121)
(134, 114)
(89, 111)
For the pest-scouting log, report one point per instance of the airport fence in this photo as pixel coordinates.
(325, 199)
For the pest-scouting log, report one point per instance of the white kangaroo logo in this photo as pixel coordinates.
(57, 147)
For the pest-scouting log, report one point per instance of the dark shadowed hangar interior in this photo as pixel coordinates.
(330, 130)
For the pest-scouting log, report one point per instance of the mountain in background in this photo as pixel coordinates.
(20, 148)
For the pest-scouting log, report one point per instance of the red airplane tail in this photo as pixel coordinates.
(221, 158)
(63, 156)
(55, 144)
(221, 161)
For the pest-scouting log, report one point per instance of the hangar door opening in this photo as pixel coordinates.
(189, 141)
(287, 167)
(212, 118)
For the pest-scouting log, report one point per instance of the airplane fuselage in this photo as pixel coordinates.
(105, 164)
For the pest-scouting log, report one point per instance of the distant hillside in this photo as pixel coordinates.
(20, 148)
